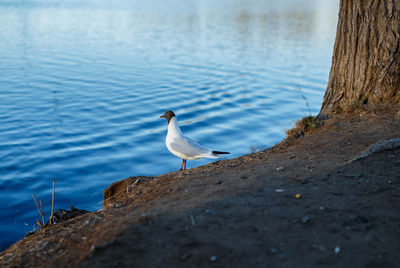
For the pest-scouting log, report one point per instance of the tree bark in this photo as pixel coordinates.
(366, 59)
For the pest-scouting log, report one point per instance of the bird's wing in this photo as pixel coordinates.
(189, 147)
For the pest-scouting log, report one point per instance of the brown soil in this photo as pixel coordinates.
(299, 203)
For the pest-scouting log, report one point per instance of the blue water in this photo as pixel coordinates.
(83, 83)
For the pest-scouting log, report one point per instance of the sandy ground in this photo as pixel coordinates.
(300, 203)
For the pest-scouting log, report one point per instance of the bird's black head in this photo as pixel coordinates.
(168, 115)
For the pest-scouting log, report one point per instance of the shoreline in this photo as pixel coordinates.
(299, 198)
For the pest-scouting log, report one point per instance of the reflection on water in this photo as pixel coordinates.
(83, 84)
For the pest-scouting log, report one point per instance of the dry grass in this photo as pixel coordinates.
(42, 224)
(303, 127)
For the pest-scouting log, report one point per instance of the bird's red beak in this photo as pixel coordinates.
(163, 116)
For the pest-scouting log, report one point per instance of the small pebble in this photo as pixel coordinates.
(273, 250)
(322, 248)
(210, 211)
(213, 258)
(321, 208)
(297, 196)
(280, 168)
(279, 190)
(336, 250)
(305, 219)
(185, 256)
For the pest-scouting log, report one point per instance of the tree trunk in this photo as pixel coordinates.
(366, 59)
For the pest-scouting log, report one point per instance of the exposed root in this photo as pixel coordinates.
(379, 147)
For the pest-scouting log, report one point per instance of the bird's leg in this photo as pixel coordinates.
(185, 164)
(183, 160)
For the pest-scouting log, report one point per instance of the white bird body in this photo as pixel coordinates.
(182, 146)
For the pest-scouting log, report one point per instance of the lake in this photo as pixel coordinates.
(83, 83)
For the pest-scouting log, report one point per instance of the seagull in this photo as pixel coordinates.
(183, 147)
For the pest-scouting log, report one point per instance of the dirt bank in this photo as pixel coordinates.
(299, 203)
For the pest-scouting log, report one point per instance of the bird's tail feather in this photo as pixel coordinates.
(218, 152)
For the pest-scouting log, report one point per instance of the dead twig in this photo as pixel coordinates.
(52, 203)
(40, 211)
(136, 182)
(38, 223)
